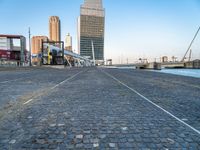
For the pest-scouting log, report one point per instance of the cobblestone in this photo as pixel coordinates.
(92, 111)
(112, 145)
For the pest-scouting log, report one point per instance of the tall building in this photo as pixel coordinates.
(91, 30)
(54, 29)
(68, 42)
(36, 47)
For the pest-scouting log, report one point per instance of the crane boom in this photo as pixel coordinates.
(190, 44)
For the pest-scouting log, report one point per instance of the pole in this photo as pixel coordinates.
(30, 56)
(93, 55)
(48, 54)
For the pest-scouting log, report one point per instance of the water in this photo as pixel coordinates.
(183, 72)
(115, 67)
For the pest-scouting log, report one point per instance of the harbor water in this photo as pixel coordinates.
(183, 72)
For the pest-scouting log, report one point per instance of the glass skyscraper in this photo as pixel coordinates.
(91, 30)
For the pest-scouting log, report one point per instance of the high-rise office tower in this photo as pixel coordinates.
(68, 42)
(54, 28)
(91, 30)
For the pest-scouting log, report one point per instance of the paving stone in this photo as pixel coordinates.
(112, 145)
(41, 141)
(88, 146)
(12, 142)
(93, 111)
(124, 128)
(86, 141)
(4, 141)
(79, 145)
(86, 132)
(52, 125)
(94, 140)
(61, 125)
(102, 136)
(95, 144)
(30, 117)
(80, 136)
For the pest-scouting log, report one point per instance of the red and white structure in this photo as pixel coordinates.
(10, 51)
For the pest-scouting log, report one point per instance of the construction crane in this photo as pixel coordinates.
(189, 48)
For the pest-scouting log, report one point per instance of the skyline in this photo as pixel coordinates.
(133, 29)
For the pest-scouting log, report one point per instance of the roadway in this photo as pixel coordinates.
(98, 108)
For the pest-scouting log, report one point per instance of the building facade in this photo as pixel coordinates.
(13, 50)
(91, 30)
(164, 59)
(36, 47)
(54, 29)
(68, 42)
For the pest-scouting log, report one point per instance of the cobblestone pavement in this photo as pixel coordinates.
(24, 83)
(178, 94)
(86, 109)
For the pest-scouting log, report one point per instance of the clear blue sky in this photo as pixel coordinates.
(134, 28)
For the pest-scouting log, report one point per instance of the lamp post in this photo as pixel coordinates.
(93, 54)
